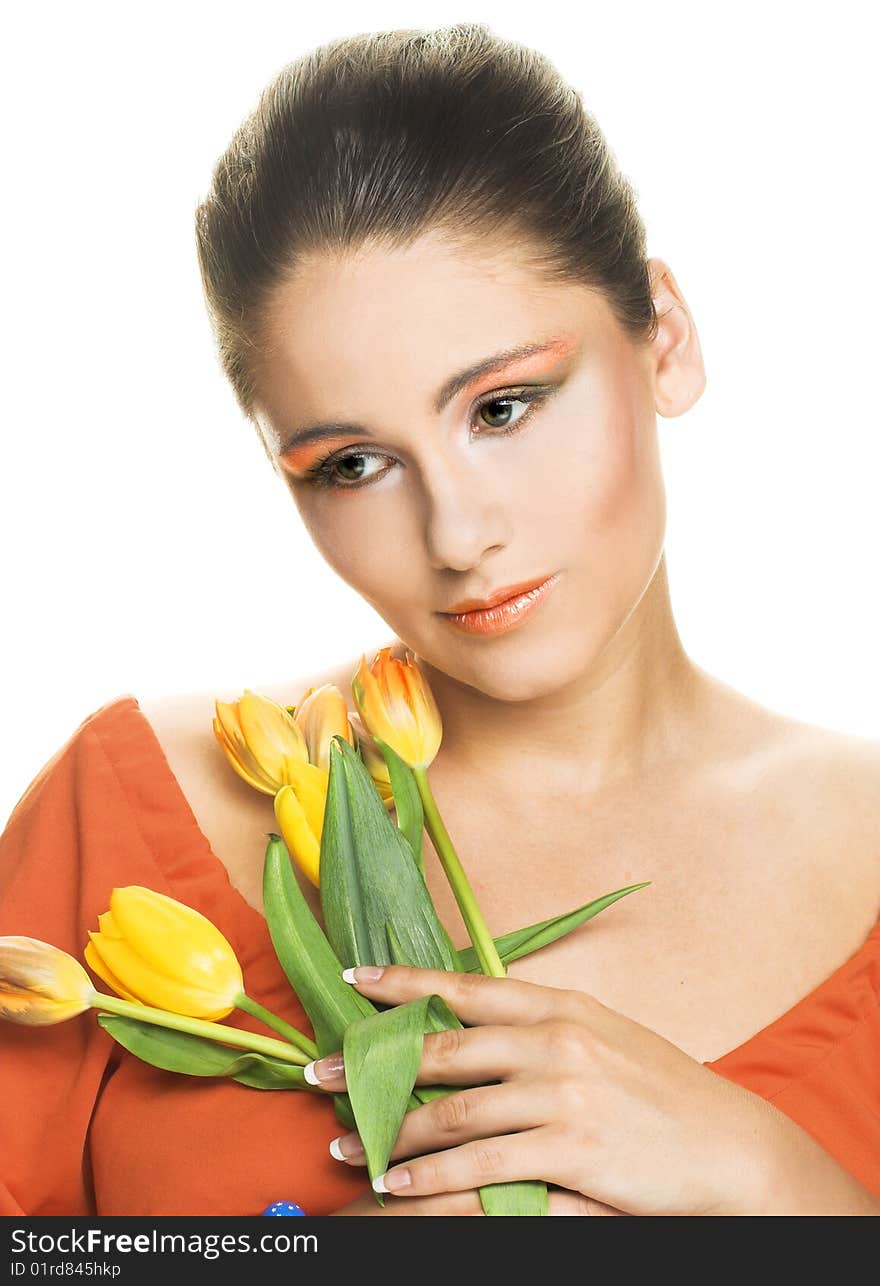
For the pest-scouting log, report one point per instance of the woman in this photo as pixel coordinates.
(429, 289)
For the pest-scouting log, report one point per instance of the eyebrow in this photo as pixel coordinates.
(448, 390)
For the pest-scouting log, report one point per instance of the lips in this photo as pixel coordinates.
(507, 609)
(499, 596)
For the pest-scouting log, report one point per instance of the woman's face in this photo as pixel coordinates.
(425, 482)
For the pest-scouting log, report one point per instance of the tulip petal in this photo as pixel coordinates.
(108, 925)
(370, 702)
(271, 734)
(309, 784)
(175, 941)
(153, 988)
(39, 983)
(398, 707)
(243, 761)
(321, 715)
(297, 834)
(96, 963)
(36, 1011)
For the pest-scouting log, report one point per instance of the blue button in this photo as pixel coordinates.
(284, 1208)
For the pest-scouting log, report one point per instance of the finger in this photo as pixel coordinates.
(446, 1203)
(456, 1056)
(452, 1119)
(532, 1154)
(474, 997)
(562, 1201)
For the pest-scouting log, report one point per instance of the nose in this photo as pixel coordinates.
(466, 520)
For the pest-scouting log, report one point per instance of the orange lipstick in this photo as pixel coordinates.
(503, 610)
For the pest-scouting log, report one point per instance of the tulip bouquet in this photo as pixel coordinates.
(335, 777)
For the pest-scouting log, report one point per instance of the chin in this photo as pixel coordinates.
(524, 673)
(520, 687)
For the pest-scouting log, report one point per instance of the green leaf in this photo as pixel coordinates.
(407, 802)
(527, 1197)
(312, 967)
(382, 1056)
(399, 956)
(395, 950)
(344, 1114)
(522, 942)
(177, 1051)
(369, 877)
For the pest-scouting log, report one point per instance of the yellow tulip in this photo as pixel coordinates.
(299, 804)
(299, 809)
(320, 715)
(398, 707)
(154, 950)
(261, 739)
(284, 751)
(40, 984)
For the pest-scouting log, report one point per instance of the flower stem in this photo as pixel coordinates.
(284, 1029)
(199, 1027)
(487, 954)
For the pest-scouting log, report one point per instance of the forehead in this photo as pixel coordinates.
(423, 310)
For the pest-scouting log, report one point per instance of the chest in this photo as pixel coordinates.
(756, 896)
(752, 903)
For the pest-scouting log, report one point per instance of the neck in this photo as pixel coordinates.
(638, 705)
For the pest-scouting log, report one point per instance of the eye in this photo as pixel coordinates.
(353, 466)
(349, 469)
(496, 411)
(496, 414)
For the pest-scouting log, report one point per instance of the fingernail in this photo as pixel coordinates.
(392, 1180)
(346, 1147)
(323, 1069)
(363, 973)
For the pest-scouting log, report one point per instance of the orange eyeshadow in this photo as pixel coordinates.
(301, 459)
(525, 366)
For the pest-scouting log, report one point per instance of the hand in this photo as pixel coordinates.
(586, 1099)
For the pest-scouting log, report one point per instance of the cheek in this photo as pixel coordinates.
(607, 492)
(364, 550)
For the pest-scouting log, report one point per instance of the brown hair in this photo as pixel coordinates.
(384, 135)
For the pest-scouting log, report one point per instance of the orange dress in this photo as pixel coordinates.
(86, 1128)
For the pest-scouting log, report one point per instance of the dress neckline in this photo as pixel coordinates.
(779, 1052)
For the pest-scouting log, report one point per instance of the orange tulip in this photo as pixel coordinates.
(40, 984)
(397, 707)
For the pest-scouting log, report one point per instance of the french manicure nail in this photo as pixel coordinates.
(323, 1069)
(346, 1147)
(392, 1180)
(363, 973)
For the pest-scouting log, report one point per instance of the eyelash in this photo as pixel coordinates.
(321, 473)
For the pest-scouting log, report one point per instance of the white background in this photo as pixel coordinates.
(147, 546)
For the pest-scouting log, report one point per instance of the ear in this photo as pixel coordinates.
(679, 375)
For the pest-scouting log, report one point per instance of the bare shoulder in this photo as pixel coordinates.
(762, 745)
(845, 765)
(807, 797)
(233, 817)
(827, 790)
